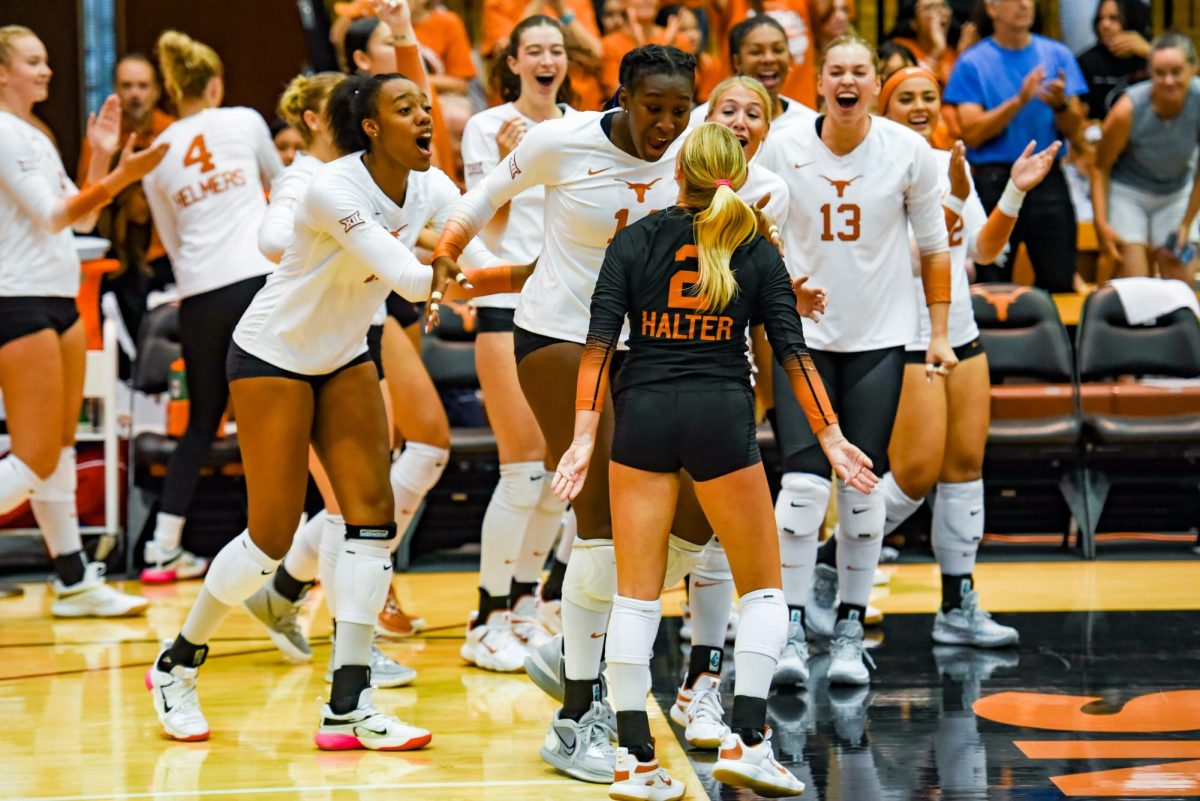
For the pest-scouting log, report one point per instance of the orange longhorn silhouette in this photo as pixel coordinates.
(639, 189)
(841, 186)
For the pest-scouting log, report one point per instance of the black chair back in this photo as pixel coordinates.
(1108, 346)
(157, 346)
(1022, 333)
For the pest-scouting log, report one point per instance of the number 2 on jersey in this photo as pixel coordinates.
(197, 153)
(850, 222)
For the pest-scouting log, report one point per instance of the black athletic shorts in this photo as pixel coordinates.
(494, 321)
(240, 364)
(22, 316)
(963, 352)
(403, 311)
(705, 429)
(526, 342)
(375, 346)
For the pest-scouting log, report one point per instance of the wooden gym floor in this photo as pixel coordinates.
(1123, 637)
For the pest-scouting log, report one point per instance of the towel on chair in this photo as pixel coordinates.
(1147, 299)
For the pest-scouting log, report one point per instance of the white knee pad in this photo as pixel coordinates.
(631, 630)
(238, 571)
(681, 558)
(713, 563)
(520, 485)
(17, 483)
(800, 507)
(59, 485)
(591, 578)
(898, 506)
(958, 526)
(333, 534)
(763, 625)
(861, 518)
(362, 578)
(418, 469)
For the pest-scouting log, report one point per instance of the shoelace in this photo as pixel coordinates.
(381, 660)
(187, 699)
(853, 644)
(708, 701)
(596, 732)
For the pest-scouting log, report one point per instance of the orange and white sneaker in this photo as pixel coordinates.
(493, 646)
(367, 728)
(698, 710)
(642, 781)
(164, 567)
(393, 623)
(754, 767)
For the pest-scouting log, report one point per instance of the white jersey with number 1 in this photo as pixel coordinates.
(848, 228)
(207, 197)
(593, 190)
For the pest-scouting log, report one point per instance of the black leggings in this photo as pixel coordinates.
(206, 323)
(864, 389)
(1046, 225)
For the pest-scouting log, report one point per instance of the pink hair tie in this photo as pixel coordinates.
(723, 182)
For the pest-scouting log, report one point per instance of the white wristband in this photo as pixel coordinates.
(1011, 200)
(955, 204)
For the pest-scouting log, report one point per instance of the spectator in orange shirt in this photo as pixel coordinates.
(126, 221)
(613, 16)
(795, 18)
(710, 69)
(580, 34)
(927, 36)
(836, 19)
(444, 46)
(640, 28)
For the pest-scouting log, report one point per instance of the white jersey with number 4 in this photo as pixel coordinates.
(848, 228)
(207, 197)
(961, 327)
(593, 190)
(519, 240)
(33, 260)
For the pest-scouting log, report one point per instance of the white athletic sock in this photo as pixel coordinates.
(304, 556)
(333, 534)
(18, 482)
(205, 617)
(540, 530)
(505, 522)
(899, 507)
(860, 540)
(566, 539)
(710, 597)
(588, 588)
(413, 475)
(799, 514)
(631, 633)
(54, 507)
(238, 570)
(762, 631)
(168, 531)
(958, 526)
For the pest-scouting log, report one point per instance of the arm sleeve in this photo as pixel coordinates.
(923, 202)
(269, 163)
(341, 211)
(535, 162)
(278, 224)
(776, 307)
(610, 302)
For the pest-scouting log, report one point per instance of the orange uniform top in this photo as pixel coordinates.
(445, 44)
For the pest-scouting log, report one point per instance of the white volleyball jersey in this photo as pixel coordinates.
(352, 247)
(519, 239)
(207, 197)
(593, 190)
(34, 260)
(847, 227)
(760, 182)
(277, 229)
(962, 328)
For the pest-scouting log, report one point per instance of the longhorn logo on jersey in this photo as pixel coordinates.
(639, 189)
(841, 186)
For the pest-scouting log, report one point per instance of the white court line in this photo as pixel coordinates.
(314, 789)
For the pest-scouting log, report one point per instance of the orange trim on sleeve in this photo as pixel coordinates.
(594, 365)
(454, 239)
(498, 280)
(810, 391)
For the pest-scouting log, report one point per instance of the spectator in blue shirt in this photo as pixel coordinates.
(1013, 87)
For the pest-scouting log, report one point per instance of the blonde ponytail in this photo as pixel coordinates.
(187, 65)
(714, 168)
(307, 93)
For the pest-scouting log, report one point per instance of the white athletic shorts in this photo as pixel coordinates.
(1142, 218)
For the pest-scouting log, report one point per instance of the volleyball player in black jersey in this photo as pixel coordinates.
(690, 278)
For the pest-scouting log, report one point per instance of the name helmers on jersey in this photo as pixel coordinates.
(213, 185)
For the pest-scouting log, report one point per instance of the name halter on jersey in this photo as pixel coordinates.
(682, 294)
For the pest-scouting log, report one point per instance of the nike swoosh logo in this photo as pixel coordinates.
(705, 583)
(267, 572)
(975, 512)
(373, 731)
(795, 505)
(791, 565)
(800, 166)
(597, 636)
(570, 746)
(858, 510)
(858, 569)
(536, 478)
(597, 172)
(166, 706)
